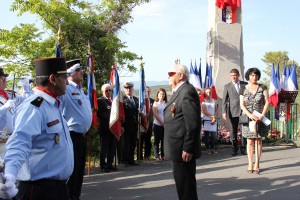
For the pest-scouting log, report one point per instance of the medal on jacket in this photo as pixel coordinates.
(56, 138)
(173, 110)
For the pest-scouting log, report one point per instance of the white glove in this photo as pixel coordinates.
(8, 189)
(25, 81)
(10, 105)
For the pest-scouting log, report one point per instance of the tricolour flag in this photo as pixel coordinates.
(117, 114)
(200, 76)
(283, 80)
(58, 52)
(144, 102)
(194, 77)
(92, 89)
(277, 73)
(209, 82)
(212, 85)
(292, 80)
(206, 77)
(274, 88)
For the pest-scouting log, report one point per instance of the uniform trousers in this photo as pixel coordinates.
(128, 143)
(42, 190)
(76, 179)
(107, 149)
(184, 174)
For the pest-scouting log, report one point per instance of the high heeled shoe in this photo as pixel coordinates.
(256, 171)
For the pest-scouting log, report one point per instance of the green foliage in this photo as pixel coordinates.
(81, 23)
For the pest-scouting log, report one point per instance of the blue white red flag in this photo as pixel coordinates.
(212, 85)
(92, 89)
(283, 80)
(277, 73)
(206, 77)
(209, 82)
(117, 114)
(194, 77)
(292, 80)
(200, 75)
(58, 52)
(144, 102)
(274, 88)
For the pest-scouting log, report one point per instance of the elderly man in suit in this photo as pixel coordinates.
(182, 132)
(107, 139)
(231, 106)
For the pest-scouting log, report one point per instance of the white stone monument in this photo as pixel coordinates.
(224, 40)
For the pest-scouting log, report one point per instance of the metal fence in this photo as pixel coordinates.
(287, 129)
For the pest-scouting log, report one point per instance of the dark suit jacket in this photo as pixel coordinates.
(103, 114)
(131, 111)
(182, 131)
(231, 100)
(150, 118)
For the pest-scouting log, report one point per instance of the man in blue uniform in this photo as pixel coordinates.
(8, 103)
(77, 111)
(40, 152)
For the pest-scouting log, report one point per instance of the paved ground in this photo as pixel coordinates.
(219, 176)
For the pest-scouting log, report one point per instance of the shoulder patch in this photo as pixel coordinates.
(37, 102)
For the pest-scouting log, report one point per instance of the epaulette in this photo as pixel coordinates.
(37, 102)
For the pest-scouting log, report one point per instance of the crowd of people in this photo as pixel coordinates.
(46, 154)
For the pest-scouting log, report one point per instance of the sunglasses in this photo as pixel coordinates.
(171, 74)
(108, 90)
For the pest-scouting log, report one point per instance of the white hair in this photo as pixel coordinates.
(104, 86)
(182, 69)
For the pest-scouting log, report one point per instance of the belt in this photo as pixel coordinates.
(77, 133)
(46, 182)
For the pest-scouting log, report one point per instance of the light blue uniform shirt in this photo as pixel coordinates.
(76, 109)
(6, 115)
(34, 146)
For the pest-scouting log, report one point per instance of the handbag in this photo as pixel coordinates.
(243, 119)
(252, 127)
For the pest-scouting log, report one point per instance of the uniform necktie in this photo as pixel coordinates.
(109, 100)
(132, 101)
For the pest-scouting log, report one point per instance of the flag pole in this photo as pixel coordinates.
(89, 134)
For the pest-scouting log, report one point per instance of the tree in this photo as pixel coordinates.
(81, 22)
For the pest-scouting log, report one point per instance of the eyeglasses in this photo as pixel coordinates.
(108, 90)
(171, 74)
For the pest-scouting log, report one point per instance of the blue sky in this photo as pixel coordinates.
(164, 30)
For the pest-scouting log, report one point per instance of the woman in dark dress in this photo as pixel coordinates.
(254, 97)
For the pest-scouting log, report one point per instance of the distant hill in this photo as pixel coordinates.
(148, 83)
